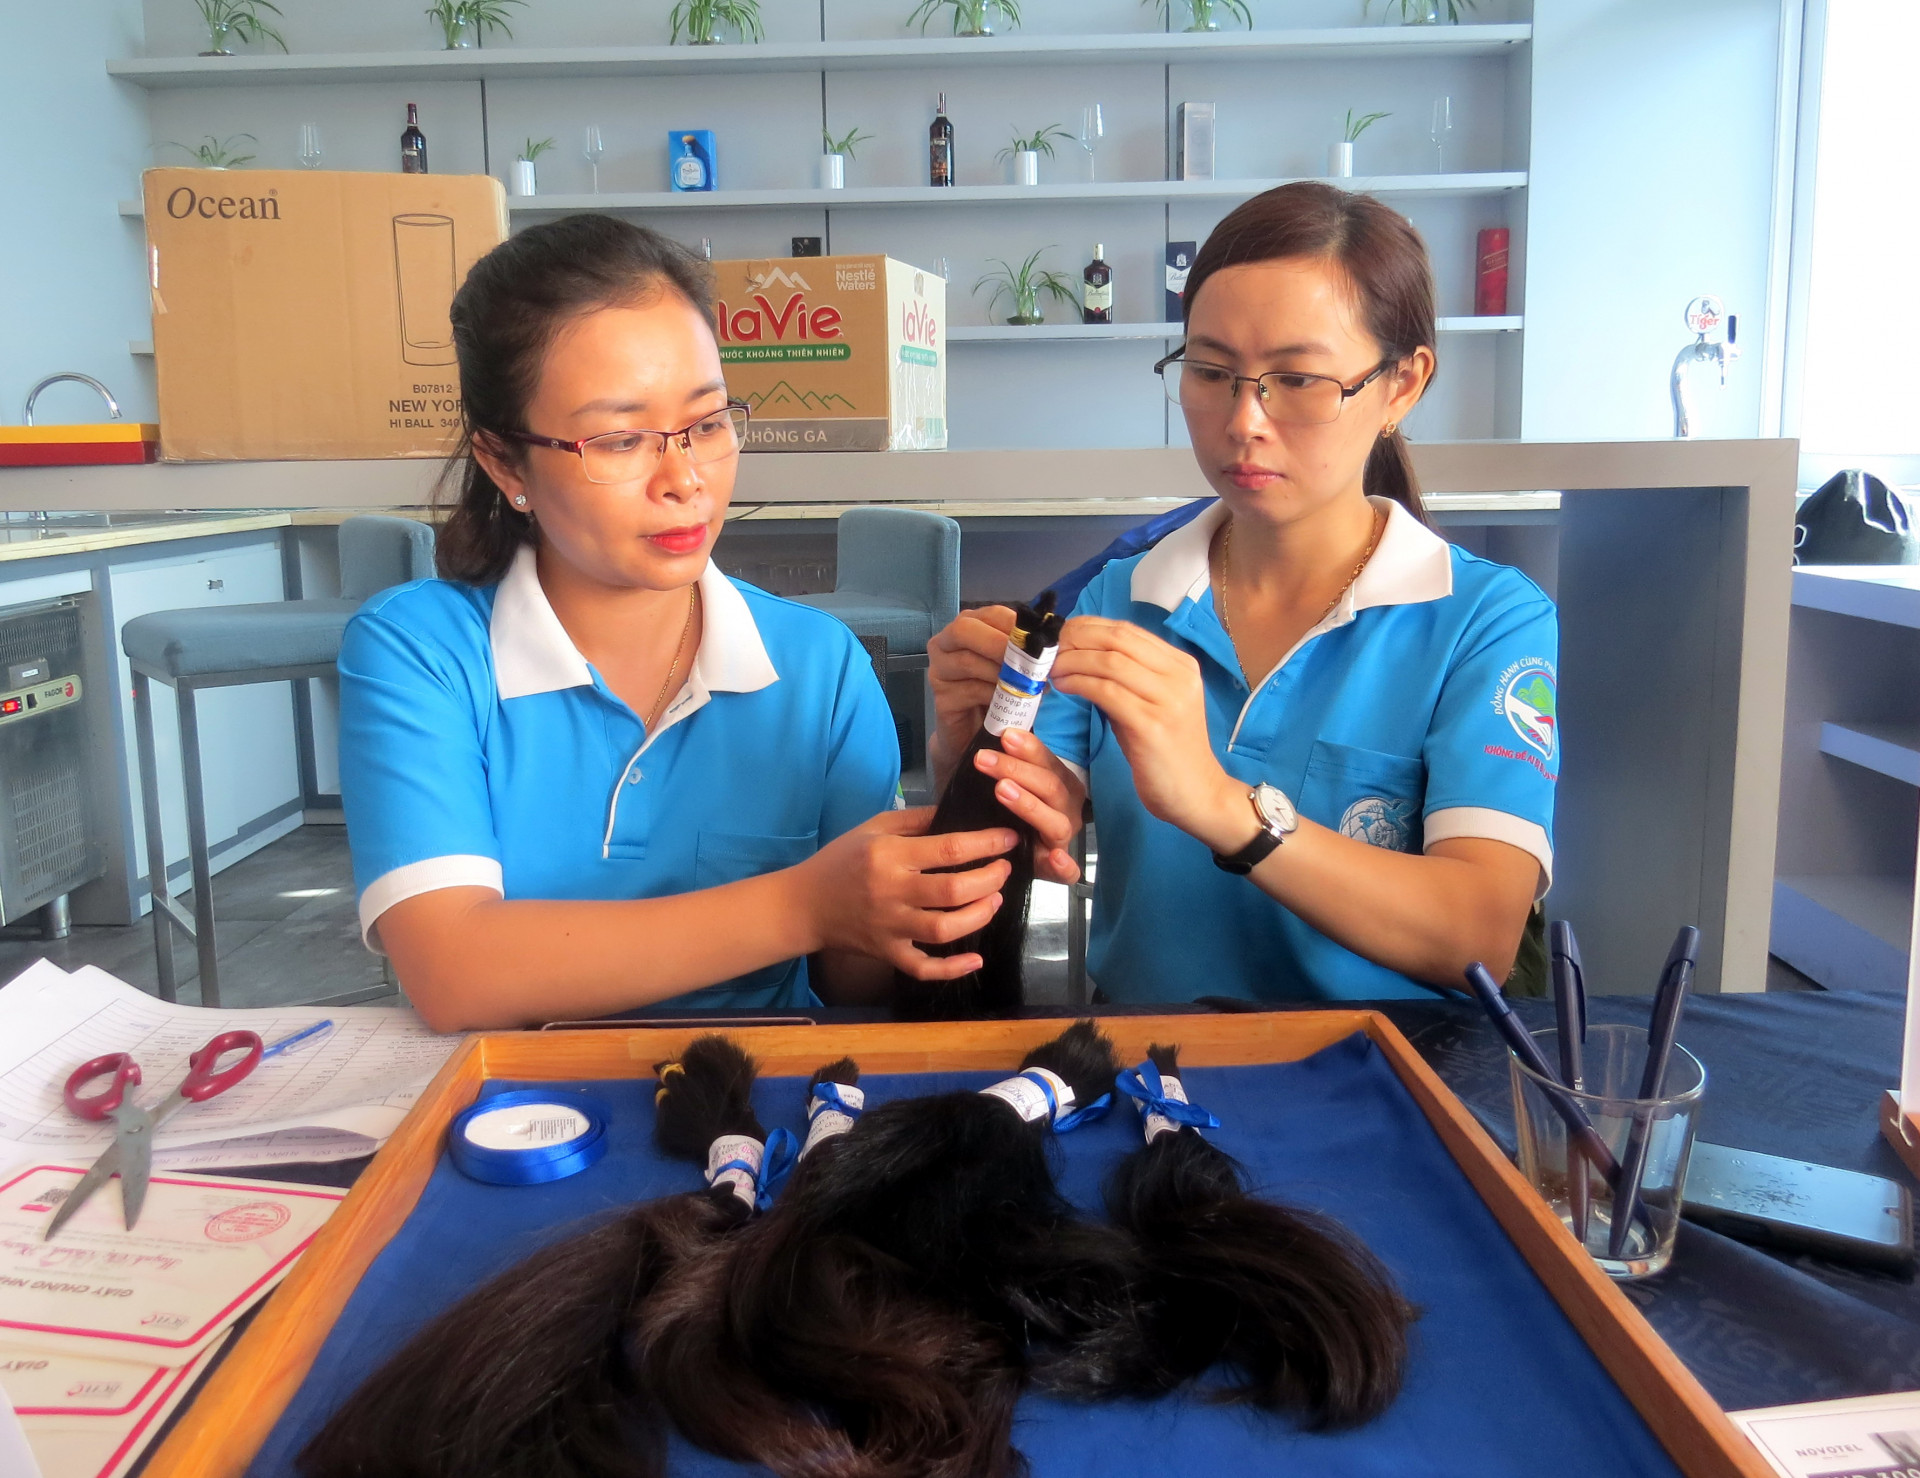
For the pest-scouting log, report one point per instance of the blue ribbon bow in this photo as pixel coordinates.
(826, 1095)
(782, 1153)
(1152, 1100)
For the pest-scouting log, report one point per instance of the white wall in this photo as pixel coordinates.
(72, 292)
(1652, 182)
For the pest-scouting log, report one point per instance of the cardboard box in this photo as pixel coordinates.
(303, 314)
(836, 354)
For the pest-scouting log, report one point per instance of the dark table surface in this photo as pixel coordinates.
(1799, 1075)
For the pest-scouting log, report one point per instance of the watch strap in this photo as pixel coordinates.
(1265, 840)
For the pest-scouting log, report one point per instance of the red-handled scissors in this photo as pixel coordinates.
(130, 1156)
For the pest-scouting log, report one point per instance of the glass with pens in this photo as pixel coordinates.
(593, 148)
(1605, 1116)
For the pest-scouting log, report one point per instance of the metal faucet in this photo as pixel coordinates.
(113, 406)
(1705, 316)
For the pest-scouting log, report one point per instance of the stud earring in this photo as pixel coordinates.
(1389, 428)
(520, 501)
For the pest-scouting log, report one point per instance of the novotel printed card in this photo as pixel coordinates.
(203, 1251)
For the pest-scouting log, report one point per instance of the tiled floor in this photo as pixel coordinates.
(287, 932)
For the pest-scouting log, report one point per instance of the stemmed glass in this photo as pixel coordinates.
(1093, 128)
(310, 151)
(1440, 130)
(592, 147)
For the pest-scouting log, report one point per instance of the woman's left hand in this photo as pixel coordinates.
(1153, 696)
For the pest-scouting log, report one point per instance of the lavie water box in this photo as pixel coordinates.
(836, 354)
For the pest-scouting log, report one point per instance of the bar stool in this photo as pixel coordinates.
(897, 577)
(218, 647)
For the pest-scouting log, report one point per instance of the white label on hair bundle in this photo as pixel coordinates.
(824, 1120)
(1016, 696)
(733, 1160)
(1029, 1100)
(1157, 1124)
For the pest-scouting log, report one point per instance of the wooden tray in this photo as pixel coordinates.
(233, 1416)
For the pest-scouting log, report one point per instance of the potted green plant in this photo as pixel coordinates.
(215, 153)
(227, 19)
(1022, 286)
(970, 17)
(703, 20)
(1206, 13)
(523, 180)
(1421, 12)
(837, 151)
(1340, 155)
(1025, 152)
(462, 21)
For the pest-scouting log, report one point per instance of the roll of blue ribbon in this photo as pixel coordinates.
(528, 1136)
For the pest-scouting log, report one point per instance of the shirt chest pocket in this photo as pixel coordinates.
(728, 856)
(1361, 793)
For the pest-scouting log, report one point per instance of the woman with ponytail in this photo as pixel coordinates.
(1321, 742)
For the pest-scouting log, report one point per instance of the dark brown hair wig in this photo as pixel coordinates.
(1382, 255)
(514, 302)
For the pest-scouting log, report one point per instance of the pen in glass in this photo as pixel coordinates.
(1668, 1001)
(1570, 1014)
(304, 1034)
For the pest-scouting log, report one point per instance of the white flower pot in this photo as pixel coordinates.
(1340, 161)
(1026, 167)
(833, 171)
(522, 177)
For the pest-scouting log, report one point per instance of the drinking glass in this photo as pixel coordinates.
(592, 147)
(1093, 128)
(1440, 130)
(310, 151)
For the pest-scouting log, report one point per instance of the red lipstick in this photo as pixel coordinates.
(681, 540)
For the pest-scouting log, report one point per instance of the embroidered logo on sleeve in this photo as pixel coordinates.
(1525, 697)
(1380, 821)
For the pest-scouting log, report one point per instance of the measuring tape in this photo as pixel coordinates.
(527, 1137)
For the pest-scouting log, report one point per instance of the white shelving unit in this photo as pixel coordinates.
(1850, 785)
(511, 63)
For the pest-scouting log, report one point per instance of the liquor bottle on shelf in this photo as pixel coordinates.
(413, 144)
(940, 146)
(1096, 289)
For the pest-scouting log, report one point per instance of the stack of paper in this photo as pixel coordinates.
(104, 1330)
(332, 1099)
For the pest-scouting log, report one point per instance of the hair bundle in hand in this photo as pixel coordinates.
(1305, 1319)
(969, 804)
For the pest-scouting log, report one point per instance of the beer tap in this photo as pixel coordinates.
(1706, 316)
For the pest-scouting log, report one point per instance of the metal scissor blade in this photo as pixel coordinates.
(135, 1141)
(101, 1171)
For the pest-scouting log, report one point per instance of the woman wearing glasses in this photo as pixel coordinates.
(585, 771)
(1321, 743)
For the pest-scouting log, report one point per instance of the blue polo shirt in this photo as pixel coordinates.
(1422, 708)
(478, 748)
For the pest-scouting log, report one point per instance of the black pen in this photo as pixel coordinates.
(1668, 1001)
(1579, 1126)
(1570, 1013)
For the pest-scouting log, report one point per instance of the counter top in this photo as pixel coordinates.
(84, 533)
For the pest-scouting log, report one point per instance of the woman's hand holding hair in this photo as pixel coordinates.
(876, 889)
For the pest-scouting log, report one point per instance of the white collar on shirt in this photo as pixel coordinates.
(532, 652)
(1412, 564)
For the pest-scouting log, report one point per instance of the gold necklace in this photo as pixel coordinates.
(673, 669)
(1226, 553)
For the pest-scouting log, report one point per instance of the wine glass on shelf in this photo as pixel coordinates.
(311, 152)
(1093, 128)
(1440, 130)
(592, 147)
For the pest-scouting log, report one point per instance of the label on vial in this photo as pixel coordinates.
(1158, 1124)
(1028, 1098)
(824, 1120)
(733, 1160)
(1016, 697)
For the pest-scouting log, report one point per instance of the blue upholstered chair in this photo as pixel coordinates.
(897, 579)
(218, 647)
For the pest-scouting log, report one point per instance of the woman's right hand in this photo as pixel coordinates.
(963, 664)
(875, 890)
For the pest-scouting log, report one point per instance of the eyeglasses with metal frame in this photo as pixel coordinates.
(1289, 397)
(628, 456)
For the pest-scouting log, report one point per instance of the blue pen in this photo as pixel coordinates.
(1570, 1015)
(296, 1039)
(1668, 1001)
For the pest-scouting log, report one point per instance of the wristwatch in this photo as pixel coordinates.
(1278, 820)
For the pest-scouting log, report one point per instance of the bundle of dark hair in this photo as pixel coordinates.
(997, 988)
(882, 1318)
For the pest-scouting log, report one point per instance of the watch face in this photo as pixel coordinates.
(1273, 804)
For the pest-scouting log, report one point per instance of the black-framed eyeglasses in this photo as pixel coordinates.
(1289, 397)
(630, 456)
